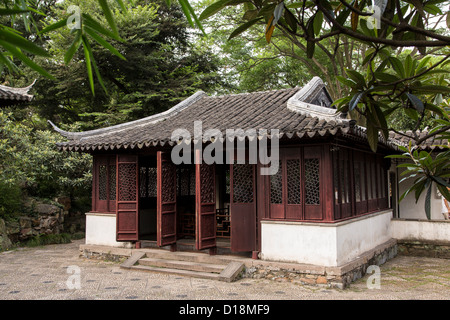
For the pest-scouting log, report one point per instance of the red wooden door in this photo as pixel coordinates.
(127, 209)
(166, 208)
(205, 206)
(243, 207)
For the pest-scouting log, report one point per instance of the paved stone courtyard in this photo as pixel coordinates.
(53, 272)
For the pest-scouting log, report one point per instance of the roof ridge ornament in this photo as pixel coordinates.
(306, 102)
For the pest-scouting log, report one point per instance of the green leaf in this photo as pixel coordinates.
(372, 137)
(54, 26)
(386, 77)
(416, 102)
(104, 43)
(213, 9)
(87, 58)
(18, 41)
(18, 54)
(109, 16)
(356, 77)
(397, 65)
(431, 89)
(193, 14)
(428, 203)
(95, 25)
(243, 27)
(8, 12)
(318, 21)
(349, 83)
(73, 48)
(291, 20)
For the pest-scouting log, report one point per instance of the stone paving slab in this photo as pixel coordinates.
(42, 273)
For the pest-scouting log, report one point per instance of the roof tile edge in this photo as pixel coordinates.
(148, 120)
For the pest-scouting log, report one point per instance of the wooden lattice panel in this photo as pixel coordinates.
(312, 181)
(276, 186)
(169, 191)
(102, 183)
(243, 183)
(293, 181)
(127, 182)
(207, 183)
(112, 182)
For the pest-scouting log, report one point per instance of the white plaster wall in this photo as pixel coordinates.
(101, 230)
(362, 234)
(409, 209)
(298, 242)
(421, 230)
(324, 244)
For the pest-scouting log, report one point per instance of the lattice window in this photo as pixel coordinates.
(276, 186)
(142, 182)
(168, 183)
(112, 182)
(183, 181)
(312, 181)
(127, 182)
(293, 181)
(207, 183)
(336, 179)
(363, 182)
(357, 175)
(102, 183)
(243, 183)
(151, 186)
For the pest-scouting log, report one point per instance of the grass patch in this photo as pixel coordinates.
(42, 240)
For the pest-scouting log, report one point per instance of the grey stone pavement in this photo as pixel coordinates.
(47, 273)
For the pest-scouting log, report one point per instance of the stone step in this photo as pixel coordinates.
(180, 272)
(199, 257)
(180, 264)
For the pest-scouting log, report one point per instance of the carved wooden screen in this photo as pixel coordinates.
(313, 183)
(104, 184)
(360, 182)
(166, 200)
(127, 209)
(205, 206)
(243, 207)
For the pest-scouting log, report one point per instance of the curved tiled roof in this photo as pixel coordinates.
(16, 94)
(294, 112)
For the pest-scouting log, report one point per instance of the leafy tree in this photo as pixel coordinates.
(386, 82)
(155, 66)
(30, 160)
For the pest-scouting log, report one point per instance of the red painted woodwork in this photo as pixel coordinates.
(166, 208)
(313, 183)
(104, 183)
(243, 207)
(127, 209)
(296, 190)
(205, 205)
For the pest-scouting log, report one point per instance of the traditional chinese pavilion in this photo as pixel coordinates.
(327, 204)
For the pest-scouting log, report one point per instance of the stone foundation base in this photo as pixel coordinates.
(329, 277)
(422, 248)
